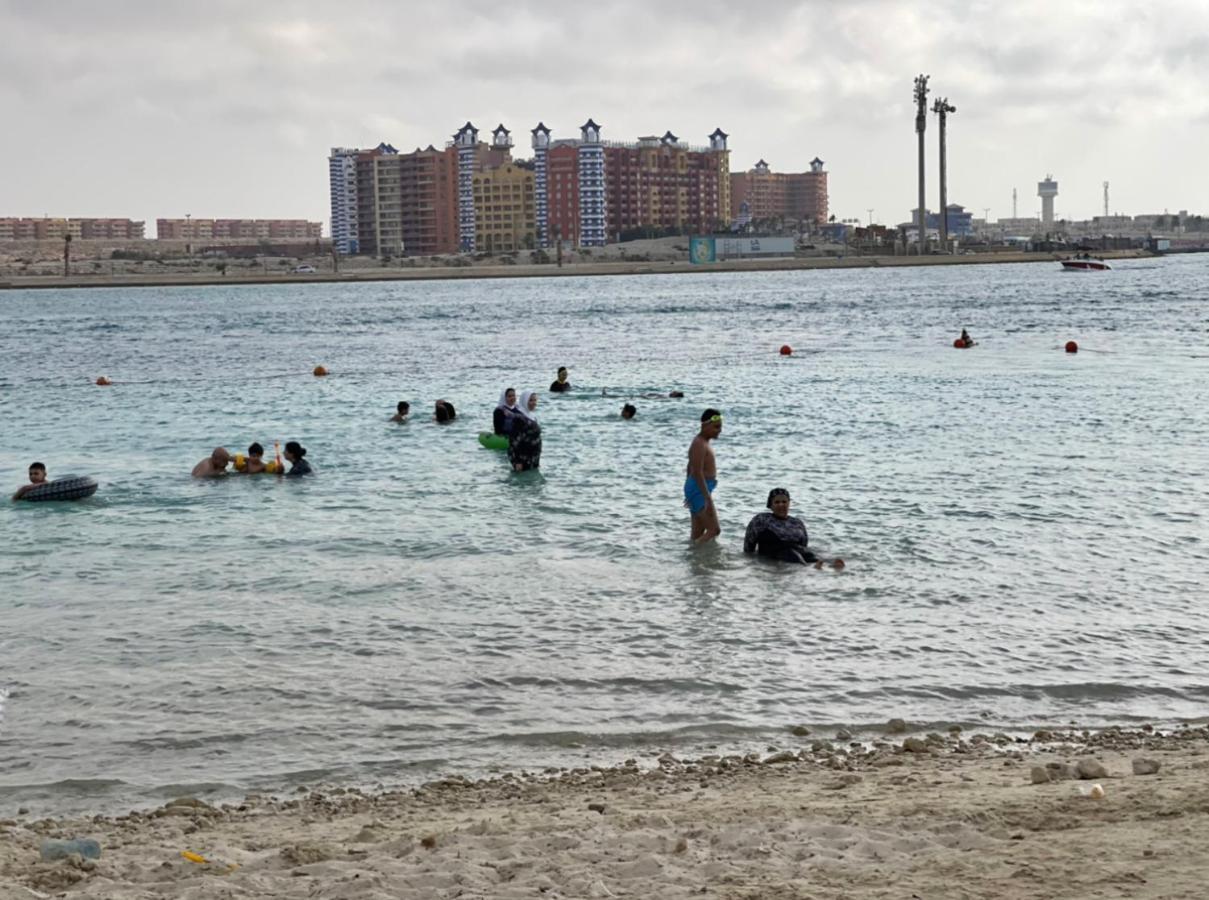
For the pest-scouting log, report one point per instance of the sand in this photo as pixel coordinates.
(948, 817)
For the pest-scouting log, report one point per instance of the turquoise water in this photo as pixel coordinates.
(1025, 530)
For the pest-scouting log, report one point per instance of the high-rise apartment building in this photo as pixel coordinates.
(582, 191)
(505, 216)
(342, 186)
(663, 184)
(765, 194)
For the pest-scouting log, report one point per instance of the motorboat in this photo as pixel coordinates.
(1085, 264)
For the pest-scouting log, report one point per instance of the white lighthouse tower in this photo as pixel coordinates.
(1047, 190)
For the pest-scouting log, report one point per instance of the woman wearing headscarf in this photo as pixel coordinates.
(777, 534)
(525, 439)
(505, 412)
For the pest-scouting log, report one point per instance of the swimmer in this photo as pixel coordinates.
(444, 412)
(254, 464)
(629, 411)
(402, 408)
(294, 453)
(213, 465)
(37, 478)
(965, 338)
(561, 384)
(702, 479)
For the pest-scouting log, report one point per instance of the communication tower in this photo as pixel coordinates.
(1047, 190)
(1014, 213)
(1106, 199)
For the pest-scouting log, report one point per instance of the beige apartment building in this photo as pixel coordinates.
(504, 211)
(194, 229)
(31, 229)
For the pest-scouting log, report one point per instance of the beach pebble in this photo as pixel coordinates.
(843, 735)
(596, 808)
(896, 726)
(307, 854)
(783, 757)
(1088, 769)
(1143, 765)
(915, 745)
(799, 731)
(1060, 771)
(1039, 775)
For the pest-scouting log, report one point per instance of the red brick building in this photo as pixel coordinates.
(764, 195)
(563, 191)
(663, 184)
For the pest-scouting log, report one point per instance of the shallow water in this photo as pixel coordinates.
(1025, 530)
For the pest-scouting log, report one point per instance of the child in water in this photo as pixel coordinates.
(37, 478)
(255, 463)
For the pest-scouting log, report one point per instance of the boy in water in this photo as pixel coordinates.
(561, 384)
(255, 461)
(401, 411)
(702, 479)
(37, 478)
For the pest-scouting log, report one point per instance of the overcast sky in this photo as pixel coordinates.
(149, 108)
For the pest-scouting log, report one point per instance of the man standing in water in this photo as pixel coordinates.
(702, 479)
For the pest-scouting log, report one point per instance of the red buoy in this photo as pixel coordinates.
(786, 350)
(959, 344)
(103, 382)
(320, 371)
(1072, 347)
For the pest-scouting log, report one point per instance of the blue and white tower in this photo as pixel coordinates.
(501, 138)
(592, 219)
(342, 185)
(541, 178)
(466, 140)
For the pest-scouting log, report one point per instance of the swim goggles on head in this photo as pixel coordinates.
(717, 419)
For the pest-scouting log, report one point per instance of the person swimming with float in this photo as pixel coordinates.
(702, 479)
(965, 339)
(778, 535)
(37, 478)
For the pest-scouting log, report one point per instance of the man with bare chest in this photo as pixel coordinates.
(702, 479)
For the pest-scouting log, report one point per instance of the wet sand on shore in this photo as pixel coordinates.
(940, 817)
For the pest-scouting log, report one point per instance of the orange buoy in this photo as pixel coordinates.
(320, 371)
(1072, 347)
(786, 350)
(959, 344)
(103, 382)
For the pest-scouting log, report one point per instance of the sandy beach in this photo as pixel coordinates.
(921, 816)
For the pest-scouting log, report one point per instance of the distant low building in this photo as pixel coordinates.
(32, 229)
(958, 221)
(193, 229)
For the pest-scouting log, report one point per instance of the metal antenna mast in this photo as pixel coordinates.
(1014, 215)
(1106, 199)
(921, 123)
(942, 109)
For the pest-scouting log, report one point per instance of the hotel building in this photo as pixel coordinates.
(764, 194)
(504, 211)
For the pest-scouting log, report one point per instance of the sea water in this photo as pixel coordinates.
(1025, 530)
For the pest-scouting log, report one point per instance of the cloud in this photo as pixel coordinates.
(249, 98)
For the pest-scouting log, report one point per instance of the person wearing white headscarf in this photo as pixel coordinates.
(525, 440)
(505, 410)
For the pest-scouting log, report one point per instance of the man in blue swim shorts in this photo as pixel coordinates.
(702, 479)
